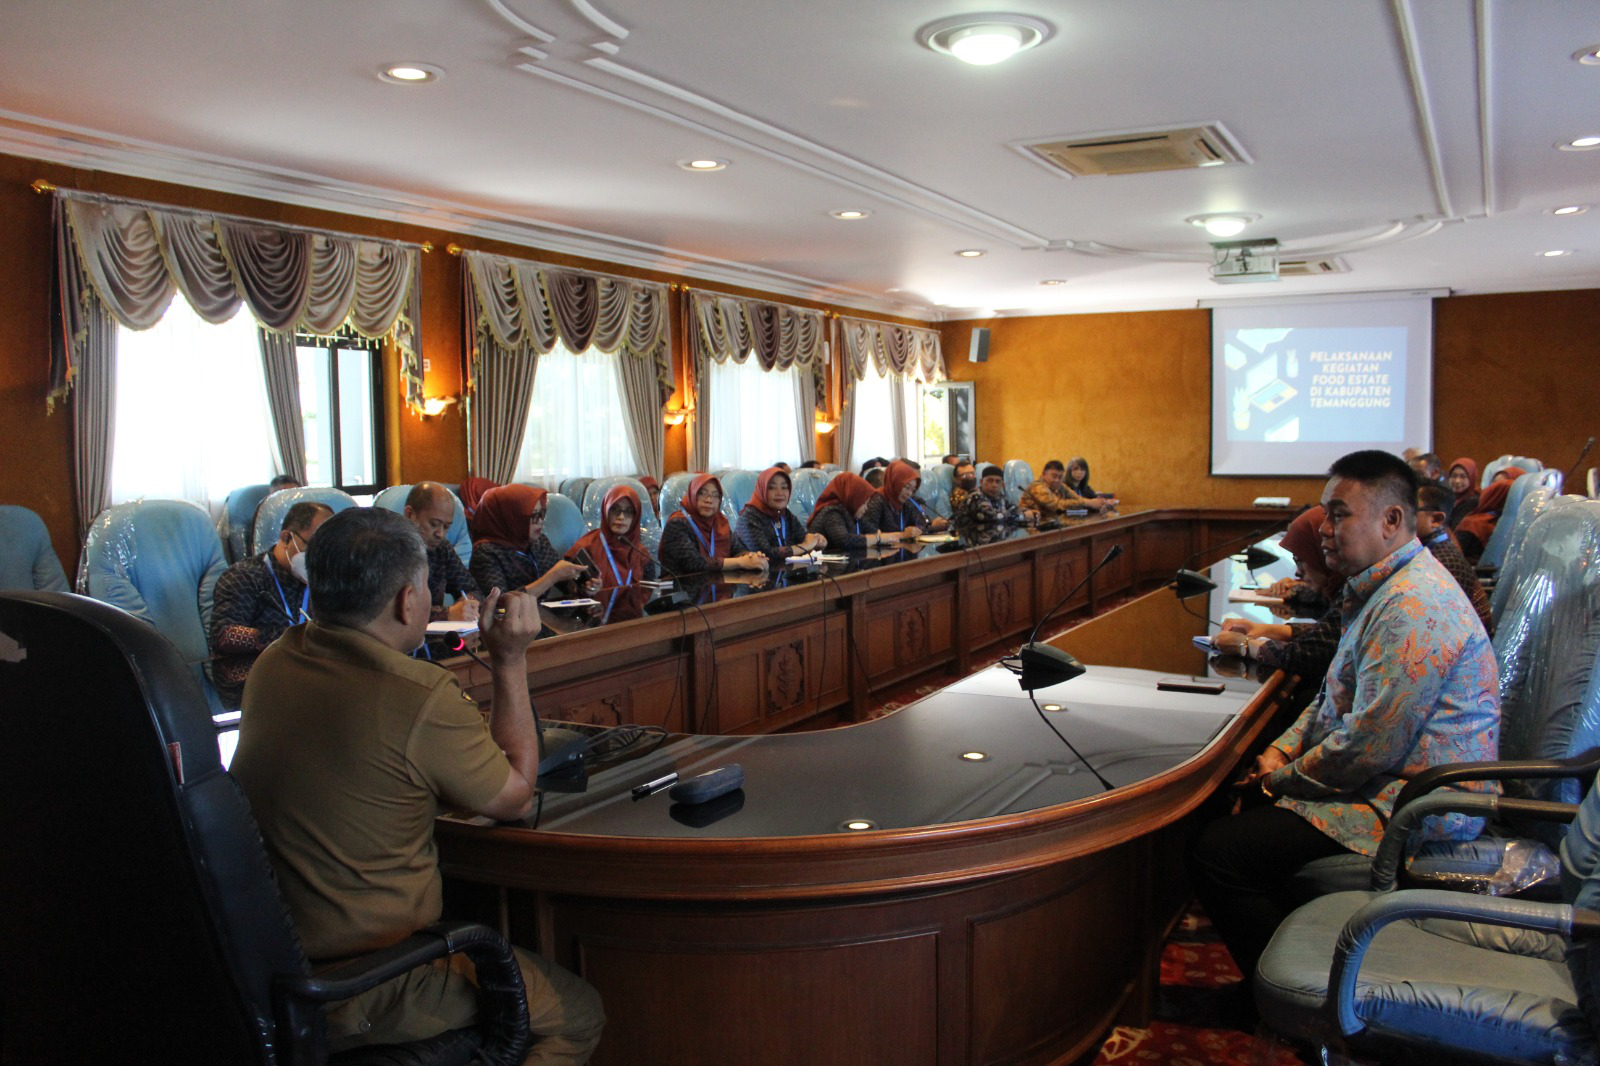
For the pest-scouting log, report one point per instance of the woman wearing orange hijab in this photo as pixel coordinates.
(616, 548)
(511, 550)
(1473, 532)
(768, 526)
(890, 510)
(697, 537)
(1463, 481)
(840, 514)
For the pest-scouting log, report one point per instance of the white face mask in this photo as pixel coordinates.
(297, 564)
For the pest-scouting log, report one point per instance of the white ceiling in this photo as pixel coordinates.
(1413, 137)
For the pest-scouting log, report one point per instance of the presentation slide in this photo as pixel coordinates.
(1296, 385)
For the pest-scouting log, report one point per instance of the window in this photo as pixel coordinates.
(753, 422)
(576, 427)
(191, 416)
(340, 405)
(873, 428)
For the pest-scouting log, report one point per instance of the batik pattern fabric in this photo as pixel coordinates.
(1449, 555)
(1309, 650)
(1049, 502)
(496, 566)
(447, 574)
(1411, 686)
(983, 518)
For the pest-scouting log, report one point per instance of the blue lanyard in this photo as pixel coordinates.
(711, 552)
(284, 600)
(615, 573)
(1439, 537)
(920, 510)
(532, 562)
(780, 526)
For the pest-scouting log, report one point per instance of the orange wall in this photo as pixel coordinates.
(1131, 392)
(37, 447)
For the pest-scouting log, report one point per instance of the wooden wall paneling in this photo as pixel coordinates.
(909, 633)
(1161, 547)
(656, 692)
(780, 676)
(999, 602)
(1117, 575)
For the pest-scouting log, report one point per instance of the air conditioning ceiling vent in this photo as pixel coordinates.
(1304, 268)
(1137, 151)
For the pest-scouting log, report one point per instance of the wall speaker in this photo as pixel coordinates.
(979, 353)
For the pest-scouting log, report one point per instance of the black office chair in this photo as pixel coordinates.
(139, 921)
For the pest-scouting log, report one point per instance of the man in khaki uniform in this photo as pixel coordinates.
(347, 749)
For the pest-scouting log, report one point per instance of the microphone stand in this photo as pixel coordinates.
(1043, 665)
(1581, 456)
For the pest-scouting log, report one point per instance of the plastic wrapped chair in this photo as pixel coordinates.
(393, 499)
(1018, 476)
(806, 486)
(148, 862)
(1494, 552)
(737, 485)
(235, 523)
(1533, 506)
(563, 522)
(575, 488)
(1524, 463)
(650, 524)
(673, 489)
(269, 516)
(934, 491)
(28, 561)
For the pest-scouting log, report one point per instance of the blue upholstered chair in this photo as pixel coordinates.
(807, 486)
(1494, 466)
(27, 561)
(1494, 552)
(573, 488)
(238, 515)
(672, 491)
(934, 492)
(1019, 475)
(1546, 643)
(269, 516)
(159, 560)
(650, 531)
(1453, 976)
(393, 499)
(737, 486)
(563, 522)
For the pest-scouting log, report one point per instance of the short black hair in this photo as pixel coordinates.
(424, 493)
(811, 464)
(960, 463)
(993, 471)
(1385, 472)
(300, 517)
(950, 456)
(285, 481)
(1054, 464)
(1435, 496)
(358, 561)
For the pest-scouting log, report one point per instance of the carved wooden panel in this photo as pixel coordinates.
(910, 634)
(785, 668)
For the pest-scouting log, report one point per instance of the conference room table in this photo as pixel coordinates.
(984, 876)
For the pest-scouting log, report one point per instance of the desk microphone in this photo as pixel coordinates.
(1043, 665)
(1196, 580)
(1579, 462)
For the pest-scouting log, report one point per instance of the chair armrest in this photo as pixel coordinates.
(503, 1017)
(1392, 850)
(1585, 764)
(1356, 936)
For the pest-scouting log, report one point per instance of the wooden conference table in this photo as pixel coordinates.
(983, 877)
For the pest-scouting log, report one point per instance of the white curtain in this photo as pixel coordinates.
(192, 418)
(883, 412)
(576, 423)
(756, 415)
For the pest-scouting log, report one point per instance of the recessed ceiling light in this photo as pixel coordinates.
(1580, 144)
(1223, 225)
(974, 756)
(1589, 57)
(1556, 253)
(850, 214)
(703, 164)
(970, 253)
(410, 73)
(1570, 209)
(1053, 281)
(983, 40)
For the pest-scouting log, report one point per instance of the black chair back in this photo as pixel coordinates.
(138, 917)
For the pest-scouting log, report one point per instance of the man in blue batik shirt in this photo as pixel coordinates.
(1412, 685)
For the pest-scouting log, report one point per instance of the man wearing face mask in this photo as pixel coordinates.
(985, 514)
(257, 599)
(966, 482)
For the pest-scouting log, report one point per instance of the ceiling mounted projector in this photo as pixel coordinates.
(1239, 261)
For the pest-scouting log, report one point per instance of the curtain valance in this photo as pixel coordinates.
(128, 259)
(531, 305)
(781, 336)
(905, 353)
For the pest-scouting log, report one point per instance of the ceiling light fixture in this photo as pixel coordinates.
(1053, 281)
(1223, 225)
(970, 253)
(1580, 144)
(850, 214)
(1555, 253)
(984, 40)
(1589, 57)
(410, 73)
(703, 165)
(1569, 209)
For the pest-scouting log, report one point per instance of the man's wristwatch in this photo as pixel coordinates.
(1265, 791)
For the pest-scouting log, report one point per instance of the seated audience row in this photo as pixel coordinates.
(1052, 495)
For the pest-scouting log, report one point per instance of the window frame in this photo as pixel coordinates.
(347, 340)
